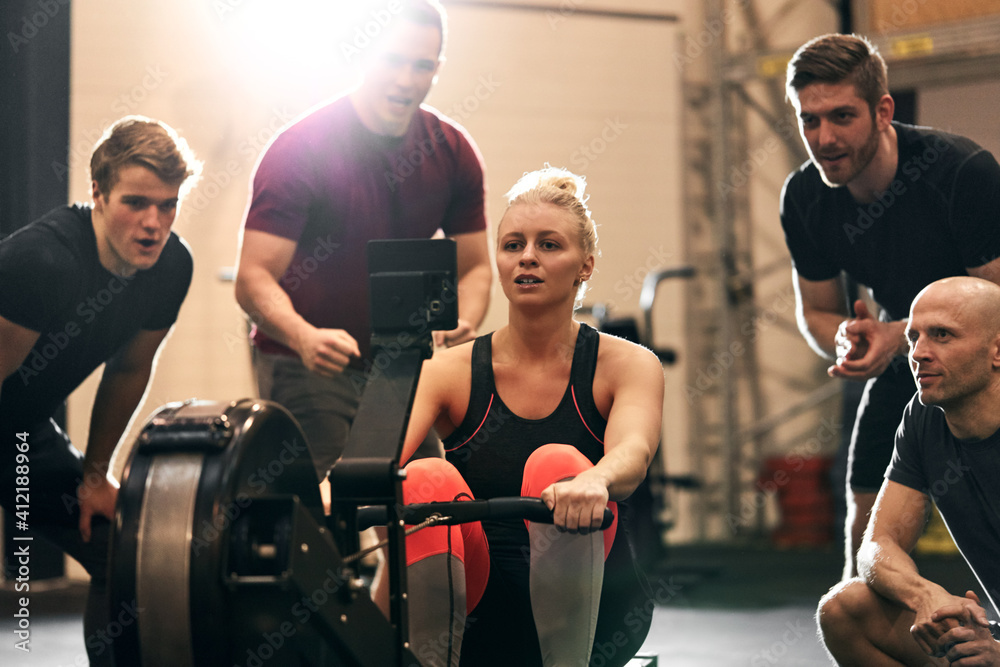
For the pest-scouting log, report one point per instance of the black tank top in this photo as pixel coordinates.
(492, 444)
(490, 448)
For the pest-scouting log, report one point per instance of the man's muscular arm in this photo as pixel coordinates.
(861, 347)
(819, 311)
(884, 562)
(119, 394)
(264, 258)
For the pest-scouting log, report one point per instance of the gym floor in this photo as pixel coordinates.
(717, 607)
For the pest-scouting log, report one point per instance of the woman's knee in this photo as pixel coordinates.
(429, 480)
(432, 480)
(549, 464)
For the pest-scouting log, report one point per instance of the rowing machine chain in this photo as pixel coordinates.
(430, 521)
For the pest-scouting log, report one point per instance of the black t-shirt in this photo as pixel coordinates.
(938, 218)
(52, 281)
(962, 477)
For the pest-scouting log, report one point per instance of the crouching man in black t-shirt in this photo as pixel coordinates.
(946, 451)
(81, 287)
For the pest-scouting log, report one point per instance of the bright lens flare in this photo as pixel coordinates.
(301, 42)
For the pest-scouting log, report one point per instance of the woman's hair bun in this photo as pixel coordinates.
(560, 182)
(549, 177)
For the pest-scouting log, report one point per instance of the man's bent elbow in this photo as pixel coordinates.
(246, 286)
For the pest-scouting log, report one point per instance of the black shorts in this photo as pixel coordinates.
(879, 414)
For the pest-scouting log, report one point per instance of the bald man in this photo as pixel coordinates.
(947, 451)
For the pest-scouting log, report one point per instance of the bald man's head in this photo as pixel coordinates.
(954, 335)
(973, 299)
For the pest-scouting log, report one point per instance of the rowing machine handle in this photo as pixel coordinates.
(497, 509)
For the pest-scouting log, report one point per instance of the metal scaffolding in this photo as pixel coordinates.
(733, 86)
(731, 425)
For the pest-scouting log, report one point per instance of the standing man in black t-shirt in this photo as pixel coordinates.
(893, 206)
(946, 452)
(81, 287)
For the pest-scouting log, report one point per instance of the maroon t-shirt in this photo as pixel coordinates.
(331, 185)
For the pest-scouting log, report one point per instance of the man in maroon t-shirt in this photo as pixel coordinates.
(373, 164)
